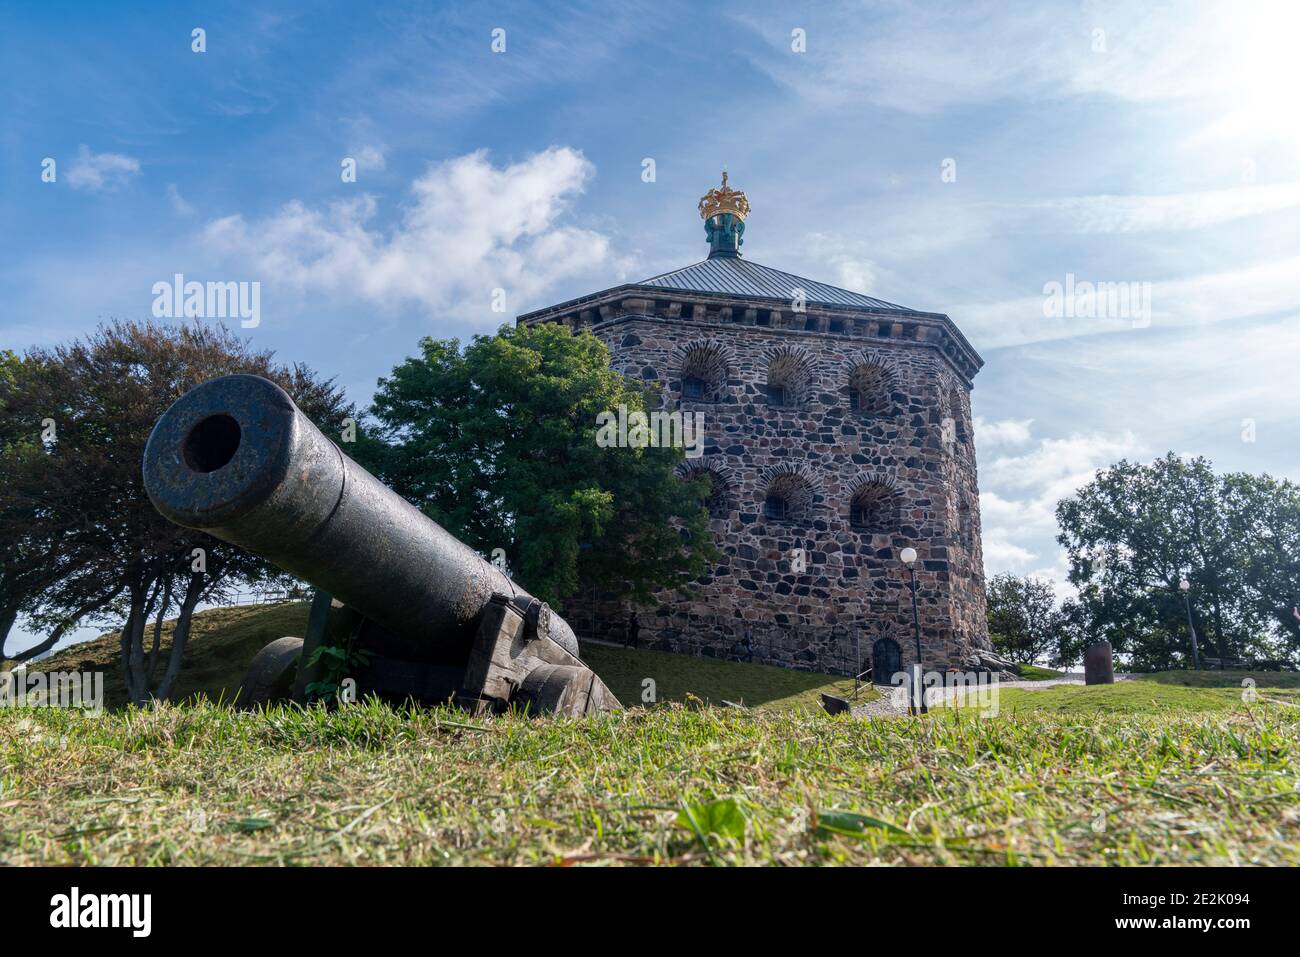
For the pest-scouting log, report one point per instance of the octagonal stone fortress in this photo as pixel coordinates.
(837, 432)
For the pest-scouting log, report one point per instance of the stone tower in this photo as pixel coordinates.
(837, 432)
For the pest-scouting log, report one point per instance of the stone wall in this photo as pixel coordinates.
(804, 586)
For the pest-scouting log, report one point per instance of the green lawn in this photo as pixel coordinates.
(675, 677)
(1139, 772)
(670, 784)
(1123, 697)
(1226, 679)
(1035, 673)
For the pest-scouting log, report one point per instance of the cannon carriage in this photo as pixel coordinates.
(234, 457)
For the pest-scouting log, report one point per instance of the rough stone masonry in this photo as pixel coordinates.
(837, 432)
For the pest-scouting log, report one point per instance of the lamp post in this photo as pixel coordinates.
(1186, 588)
(917, 704)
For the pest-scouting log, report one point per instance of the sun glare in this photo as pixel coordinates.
(1259, 71)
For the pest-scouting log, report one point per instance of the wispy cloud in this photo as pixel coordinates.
(100, 171)
(1263, 289)
(1149, 213)
(180, 206)
(371, 156)
(925, 58)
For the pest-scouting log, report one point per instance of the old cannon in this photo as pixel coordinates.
(237, 459)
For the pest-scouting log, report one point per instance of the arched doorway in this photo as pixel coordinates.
(886, 661)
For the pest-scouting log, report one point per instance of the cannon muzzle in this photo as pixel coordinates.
(234, 457)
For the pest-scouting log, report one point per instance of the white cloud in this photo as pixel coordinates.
(1005, 432)
(1057, 467)
(371, 157)
(100, 171)
(1003, 555)
(847, 261)
(179, 204)
(1020, 493)
(469, 228)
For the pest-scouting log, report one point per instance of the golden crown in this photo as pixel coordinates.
(724, 199)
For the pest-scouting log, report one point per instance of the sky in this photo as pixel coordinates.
(965, 158)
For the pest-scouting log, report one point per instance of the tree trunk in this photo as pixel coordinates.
(128, 629)
(180, 636)
(157, 632)
(143, 597)
(44, 646)
(8, 615)
(1228, 649)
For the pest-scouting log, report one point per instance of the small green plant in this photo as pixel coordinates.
(336, 663)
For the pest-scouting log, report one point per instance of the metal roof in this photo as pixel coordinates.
(734, 276)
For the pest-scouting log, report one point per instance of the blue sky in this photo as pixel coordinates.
(1093, 140)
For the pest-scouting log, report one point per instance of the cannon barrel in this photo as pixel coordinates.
(236, 458)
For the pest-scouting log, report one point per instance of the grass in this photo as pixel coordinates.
(1035, 673)
(224, 640)
(1226, 679)
(676, 677)
(1124, 697)
(671, 784)
(1137, 773)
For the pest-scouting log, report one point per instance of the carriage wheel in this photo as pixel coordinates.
(271, 673)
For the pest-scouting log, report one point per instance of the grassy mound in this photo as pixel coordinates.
(676, 677)
(224, 640)
(222, 643)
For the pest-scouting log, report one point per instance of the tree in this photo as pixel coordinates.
(1264, 527)
(76, 423)
(1134, 532)
(1025, 623)
(497, 443)
(35, 552)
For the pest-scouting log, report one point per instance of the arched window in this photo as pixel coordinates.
(704, 373)
(872, 507)
(714, 499)
(869, 389)
(788, 498)
(778, 394)
(788, 378)
(716, 496)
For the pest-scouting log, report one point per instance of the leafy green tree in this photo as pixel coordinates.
(76, 419)
(1133, 533)
(1025, 623)
(497, 443)
(42, 541)
(1074, 638)
(1264, 525)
